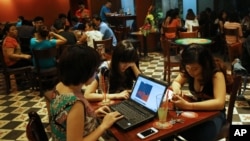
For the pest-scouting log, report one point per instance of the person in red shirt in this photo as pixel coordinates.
(13, 56)
(82, 12)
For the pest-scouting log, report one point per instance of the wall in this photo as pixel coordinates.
(203, 4)
(49, 9)
(189, 4)
(128, 5)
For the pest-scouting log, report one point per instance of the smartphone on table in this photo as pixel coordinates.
(148, 132)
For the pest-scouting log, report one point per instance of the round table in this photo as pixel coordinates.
(188, 41)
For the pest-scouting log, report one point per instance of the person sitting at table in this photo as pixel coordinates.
(90, 34)
(105, 10)
(105, 29)
(45, 39)
(37, 21)
(72, 117)
(207, 79)
(191, 20)
(122, 69)
(174, 21)
(166, 19)
(13, 56)
(59, 26)
(233, 23)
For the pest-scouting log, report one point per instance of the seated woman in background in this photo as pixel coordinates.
(123, 70)
(45, 39)
(90, 34)
(207, 80)
(173, 21)
(191, 20)
(72, 116)
(13, 56)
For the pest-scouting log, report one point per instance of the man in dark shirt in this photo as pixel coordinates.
(70, 36)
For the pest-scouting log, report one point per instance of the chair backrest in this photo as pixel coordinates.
(170, 32)
(106, 43)
(237, 80)
(119, 35)
(43, 54)
(61, 49)
(25, 45)
(196, 28)
(193, 34)
(35, 129)
(232, 32)
(2, 62)
(169, 29)
(125, 30)
(199, 30)
(234, 87)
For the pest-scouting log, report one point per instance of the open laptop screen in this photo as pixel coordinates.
(146, 90)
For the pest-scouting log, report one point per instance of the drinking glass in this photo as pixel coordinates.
(162, 113)
(104, 87)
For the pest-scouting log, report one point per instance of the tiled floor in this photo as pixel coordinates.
(15, 106)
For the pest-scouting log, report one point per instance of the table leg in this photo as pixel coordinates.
(145, 56)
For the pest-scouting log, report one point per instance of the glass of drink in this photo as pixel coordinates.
(162, 113)
(104, 87)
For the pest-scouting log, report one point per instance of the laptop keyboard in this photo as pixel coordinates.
(128, 110)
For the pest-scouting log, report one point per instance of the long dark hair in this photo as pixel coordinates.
(199, 54)
(77, 64)
(124, 52)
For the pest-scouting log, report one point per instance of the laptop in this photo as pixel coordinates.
(142, 105)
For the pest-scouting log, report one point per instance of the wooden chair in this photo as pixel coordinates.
(193, 34)
(27, 70)
(61, 49)
(135, 40)
(170, 30)
(45, 77)
(104, 47)
(224, 132)
(170, 60)
(197, 29)
(35, 130)
(232, 50)
(25, 45)
(119, 35)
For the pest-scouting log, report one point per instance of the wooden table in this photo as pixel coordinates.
(163, 133)
(139, 34)
(120, 18)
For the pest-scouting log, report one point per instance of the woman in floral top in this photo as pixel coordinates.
(72, 118)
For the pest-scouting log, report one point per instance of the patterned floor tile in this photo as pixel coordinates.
(3, 133)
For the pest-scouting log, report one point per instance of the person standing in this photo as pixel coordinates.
(105, 10)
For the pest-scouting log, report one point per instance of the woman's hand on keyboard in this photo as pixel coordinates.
(110, 119)
(102, 111)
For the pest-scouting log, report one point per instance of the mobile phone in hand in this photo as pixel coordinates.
(146, 133)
